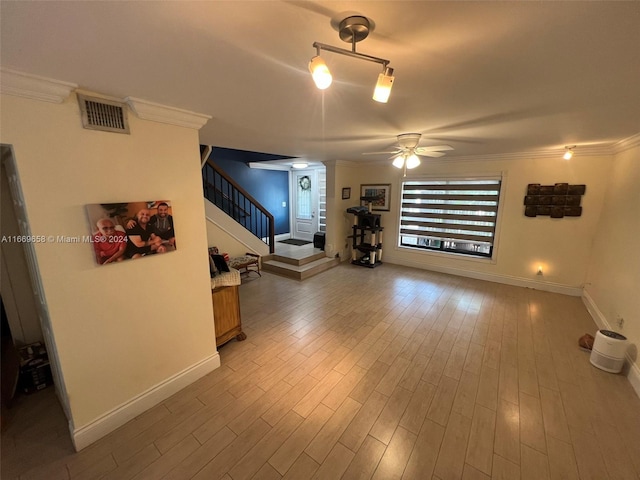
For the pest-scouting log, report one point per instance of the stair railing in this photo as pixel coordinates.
(235, 201)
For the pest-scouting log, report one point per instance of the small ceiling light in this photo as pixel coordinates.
(320, 72)
(352, 29)
(383, 87)
(568, 152)
(412, 161)
(398, 162)
(299, 165)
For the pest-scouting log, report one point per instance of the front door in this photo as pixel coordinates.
(305, 201)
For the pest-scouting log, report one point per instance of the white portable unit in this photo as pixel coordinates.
(608, 351)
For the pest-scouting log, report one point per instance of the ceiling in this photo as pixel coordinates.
(487, 78)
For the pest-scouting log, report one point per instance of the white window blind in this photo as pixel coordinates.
(452, 215)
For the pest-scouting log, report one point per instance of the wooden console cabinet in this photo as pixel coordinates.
(226, 314)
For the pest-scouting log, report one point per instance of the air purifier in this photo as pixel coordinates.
(608, 351)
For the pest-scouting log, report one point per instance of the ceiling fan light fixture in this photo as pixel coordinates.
(384, 85)
(398, 162)
(568, 152)
(320, 72)
(412, 161)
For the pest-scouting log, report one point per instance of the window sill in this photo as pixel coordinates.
(449, 255)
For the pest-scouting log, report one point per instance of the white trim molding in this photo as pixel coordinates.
(34, 87)
(491, 277)
(164, 114)
(103, 425)
(631, 369)
(627, 143)
(270, 166)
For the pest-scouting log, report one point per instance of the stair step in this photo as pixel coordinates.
(295, 261)
(300, 272)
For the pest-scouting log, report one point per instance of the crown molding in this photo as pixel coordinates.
(269, 166)
(554, 153)
(627, 143)
(599, 150)
(34, 87)
(164, 114)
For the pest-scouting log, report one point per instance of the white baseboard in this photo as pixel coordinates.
(631, 368)
(490, 277)
(98, 428)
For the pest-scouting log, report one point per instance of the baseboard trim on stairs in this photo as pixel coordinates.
(299, 272)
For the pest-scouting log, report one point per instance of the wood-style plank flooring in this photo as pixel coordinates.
(359, 373)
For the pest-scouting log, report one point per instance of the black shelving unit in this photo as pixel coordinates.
(367, 235)
(367, 245)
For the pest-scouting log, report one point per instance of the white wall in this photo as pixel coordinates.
(613, 280)
(130, 330)
(561, 246)
(229, 236)
(341, 174)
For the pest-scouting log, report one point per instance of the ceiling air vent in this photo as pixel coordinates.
(101, 114)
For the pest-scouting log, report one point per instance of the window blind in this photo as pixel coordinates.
(450, 214)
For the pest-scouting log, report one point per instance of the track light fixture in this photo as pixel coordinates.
(352, 30)
(568, 152)
(320, 72)
(383, 87)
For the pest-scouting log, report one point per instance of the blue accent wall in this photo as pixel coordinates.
(269, 187)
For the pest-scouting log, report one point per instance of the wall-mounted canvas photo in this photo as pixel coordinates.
(131, 230)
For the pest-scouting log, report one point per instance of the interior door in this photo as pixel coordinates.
(17, 198)
(305, 201)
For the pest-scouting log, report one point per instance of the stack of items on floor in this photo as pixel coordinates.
(35, 370)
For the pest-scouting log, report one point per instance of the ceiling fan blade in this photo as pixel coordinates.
(430, 154)
(434, 148)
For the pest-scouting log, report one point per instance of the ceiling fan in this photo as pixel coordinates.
(406, 153)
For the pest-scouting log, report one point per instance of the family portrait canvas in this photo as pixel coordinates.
(131, 230)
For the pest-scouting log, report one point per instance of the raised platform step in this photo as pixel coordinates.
(312, 257)
(299, 272)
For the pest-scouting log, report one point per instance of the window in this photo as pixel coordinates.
(450, 215)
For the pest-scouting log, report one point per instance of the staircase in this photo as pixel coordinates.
(250, 219)
(298, 263)
(222, 191)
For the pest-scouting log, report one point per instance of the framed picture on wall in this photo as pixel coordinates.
(346, 193)
(130, 230)
(378, 195)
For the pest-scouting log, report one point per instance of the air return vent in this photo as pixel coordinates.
(101, 114)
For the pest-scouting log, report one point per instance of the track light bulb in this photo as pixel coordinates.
(398, 162)
(383, 87)
(412, 161)
(320, 73)
(568, 153)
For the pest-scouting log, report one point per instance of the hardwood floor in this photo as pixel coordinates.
(360, 373)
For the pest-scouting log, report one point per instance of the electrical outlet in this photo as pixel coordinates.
(620, 321)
